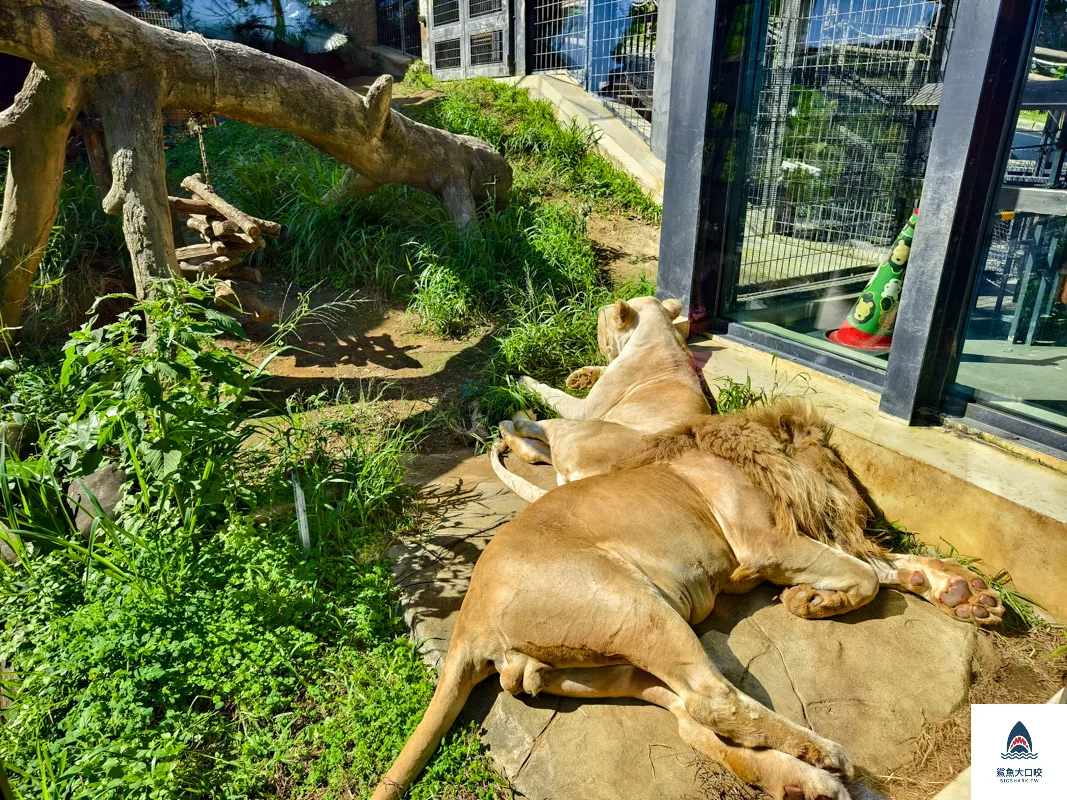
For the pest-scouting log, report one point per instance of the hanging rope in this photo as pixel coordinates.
(196, 128)
(195, 123)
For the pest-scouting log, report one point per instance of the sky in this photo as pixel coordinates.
(836, 22)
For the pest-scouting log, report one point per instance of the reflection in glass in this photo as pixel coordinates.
(841, 126)
(1014, 353)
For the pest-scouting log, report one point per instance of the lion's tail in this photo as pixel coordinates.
(458, 677)
(522, 487)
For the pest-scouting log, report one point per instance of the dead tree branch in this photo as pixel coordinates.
(133, 132)
(89, 47)
(37, 127)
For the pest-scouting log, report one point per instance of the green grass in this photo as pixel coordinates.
(547, 156)
(1034, 116)
(528, 272)
(185, 650)
(732, 396)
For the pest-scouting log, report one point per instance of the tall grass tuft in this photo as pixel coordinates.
(549, 156)
(192, 646)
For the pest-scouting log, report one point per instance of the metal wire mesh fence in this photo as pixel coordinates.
(559, 36)
(157, 17)
(398, 25)
(838, 153)
(609, 46)
(172, 117)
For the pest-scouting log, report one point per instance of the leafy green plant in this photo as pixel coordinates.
(192, 645)
(733, 396)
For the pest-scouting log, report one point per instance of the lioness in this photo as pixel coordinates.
(591, 591)
(650, 385)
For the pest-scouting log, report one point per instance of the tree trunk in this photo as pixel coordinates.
(88, 47)
(133, 132)
(35, 129)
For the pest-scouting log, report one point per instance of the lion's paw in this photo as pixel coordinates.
(583, 377)
(955, 590)
(804, 600)
(814, 785)
(787, 778)
(824, 754)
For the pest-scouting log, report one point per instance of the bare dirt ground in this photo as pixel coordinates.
(624, 247)
(368, 344)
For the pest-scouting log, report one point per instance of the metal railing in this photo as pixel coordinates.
(398, 26)
(609, 46)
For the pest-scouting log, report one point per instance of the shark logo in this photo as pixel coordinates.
(1019, 743)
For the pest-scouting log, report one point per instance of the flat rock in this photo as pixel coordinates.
(869, 680)
(19, 439)
(7, 553)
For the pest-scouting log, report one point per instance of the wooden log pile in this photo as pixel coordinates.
(228, 234)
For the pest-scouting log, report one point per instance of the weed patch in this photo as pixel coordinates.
(184, 649)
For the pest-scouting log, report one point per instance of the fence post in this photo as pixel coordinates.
(518, 33)
(691, 67)
(986, 69)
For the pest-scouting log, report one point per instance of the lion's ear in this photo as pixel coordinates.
(624, 313)
(674, 307)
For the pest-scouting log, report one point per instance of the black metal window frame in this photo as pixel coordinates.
(985, 75)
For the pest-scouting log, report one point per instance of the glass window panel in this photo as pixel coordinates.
(1014, 353)
(837, 150)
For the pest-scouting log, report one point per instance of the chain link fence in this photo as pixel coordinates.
(838, 148)
(609, 46)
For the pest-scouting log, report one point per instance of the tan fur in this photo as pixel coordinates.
(784, 450)
(592, 590)
(649, 385)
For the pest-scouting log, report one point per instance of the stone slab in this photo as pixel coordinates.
(870, 679)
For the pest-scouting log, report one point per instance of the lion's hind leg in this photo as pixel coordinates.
(781, 775)
(954, 589)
